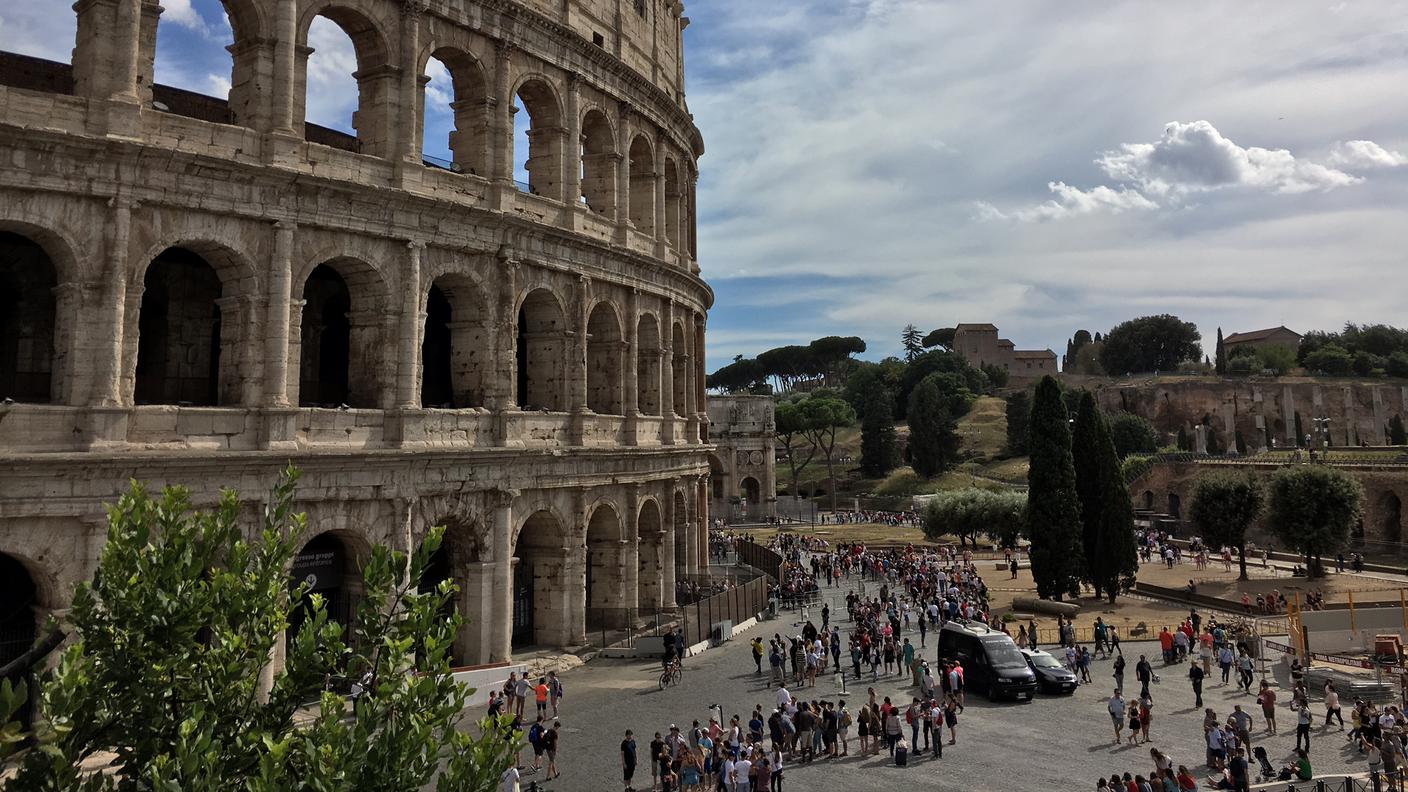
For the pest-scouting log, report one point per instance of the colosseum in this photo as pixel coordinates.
(199, 291)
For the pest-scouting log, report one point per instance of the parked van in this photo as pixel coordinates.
(992, 664)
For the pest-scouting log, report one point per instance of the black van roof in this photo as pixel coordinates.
(973, 628)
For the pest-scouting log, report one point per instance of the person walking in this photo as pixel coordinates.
(550, 743)
(1116, 708)
(555, 691)
(1267, 699)
(1119, 672)
(758, 654)
(1303, 719)
(1195, 676)
(1145, 674)
(1332, 705)
(628, 760)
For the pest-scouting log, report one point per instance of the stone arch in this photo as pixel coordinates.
(376, 84)
(648, 365)
(650, 528)
(1148, 500)
(681, 535)
(750, 489)
(456, 351)
(1391, 517)
(191, 326)
(642, 186)
(330, 562)
(605, 364)
(717, 477)
(598, 166)
(1175, 506)
(606, 574)
(341, 335)
(460, 548)
(542, 351)
(674, 201)
(539, 582)
(22, 606)
(470, 138)
(251, 61)
(29, 321)
(545, 134)
(679, 370)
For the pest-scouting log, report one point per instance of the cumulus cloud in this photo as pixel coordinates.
(218, 85)
(1192, 158)
(1364, 155)
(332, 91)
(1195, 157)
(182, 13)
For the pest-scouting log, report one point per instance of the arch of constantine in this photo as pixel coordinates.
(199, 291)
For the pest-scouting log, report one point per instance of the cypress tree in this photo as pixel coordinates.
(1241, 443)
(1085, 456)
(1300, 431)
(1221, 367)
(933, 435)
(1053, 509)
(1019, 412)
(877, 432)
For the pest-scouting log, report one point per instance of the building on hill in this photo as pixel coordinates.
(743, 466)
(980, 345)
(1260, 339)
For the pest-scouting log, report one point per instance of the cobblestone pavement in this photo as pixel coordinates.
(1051, 743)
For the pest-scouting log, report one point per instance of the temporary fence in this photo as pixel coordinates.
(639, 627)
(763, 559)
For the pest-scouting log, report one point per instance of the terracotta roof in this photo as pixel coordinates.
(972, 327)
(1041, 353)
(1257, 335)
(1002, 342)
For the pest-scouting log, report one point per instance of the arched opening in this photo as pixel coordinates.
(28, 318)
(329, 567)
(1175, 507)
(542, 350)
(599, 160)
(456, 354)
(340, 331)
(605, 569)
(674, 201)
(540, 557)
(679, 371)
(541, 136)
(187, 333)
(435, 351)
(682, 536)
(19, 618)
(191, 79)
(649, 583)
(642, 214)
(751, 492)
(455, 113)
(1148, 500)
(344, 48)
(648, 365)
(1391, 517)
(605, 350)
(717, 490)
(450, 561)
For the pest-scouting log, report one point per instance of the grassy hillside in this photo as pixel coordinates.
(983, 432)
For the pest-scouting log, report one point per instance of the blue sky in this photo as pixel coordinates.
(1045, 166)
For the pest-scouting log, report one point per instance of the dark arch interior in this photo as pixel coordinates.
(18, 601)
(324, 564)
(1392, 517)
(437, 386)
(178, 346)
(327, 340)
(27, 316)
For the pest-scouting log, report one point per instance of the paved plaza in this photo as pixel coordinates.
(1053, 742)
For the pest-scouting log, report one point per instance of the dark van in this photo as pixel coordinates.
(992, 664)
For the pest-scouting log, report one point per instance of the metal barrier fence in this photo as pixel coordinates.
(761, 558)
(637, 627)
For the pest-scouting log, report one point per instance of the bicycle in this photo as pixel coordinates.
(672, 675)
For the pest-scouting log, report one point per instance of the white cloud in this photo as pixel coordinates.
(1364, 155)
(181, 12)
(218, 85)
(332, 91)
(1195, 157)
(1072, 202)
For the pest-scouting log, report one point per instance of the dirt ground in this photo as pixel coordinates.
(1129, 612)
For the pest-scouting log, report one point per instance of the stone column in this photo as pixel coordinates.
(574, 571)
(577, 364)
(701, 519)
(500, 606)
(572, 150)
(623, 175)
(285, 80)
(667, 375)
(107, 388)
(505, 390)
(501, 126)
(667, 550)
(412, 318)
(126, 62)
(276, 322)
(630, 399)
(630, 553)
(407, 121)
(662, 232)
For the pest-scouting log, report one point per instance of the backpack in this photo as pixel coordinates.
(535, 734)
(845, 718)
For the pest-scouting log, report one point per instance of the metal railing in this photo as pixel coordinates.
(645, 628)
(761, 558)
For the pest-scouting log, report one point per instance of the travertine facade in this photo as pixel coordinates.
(198, 292)
(743, 467)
